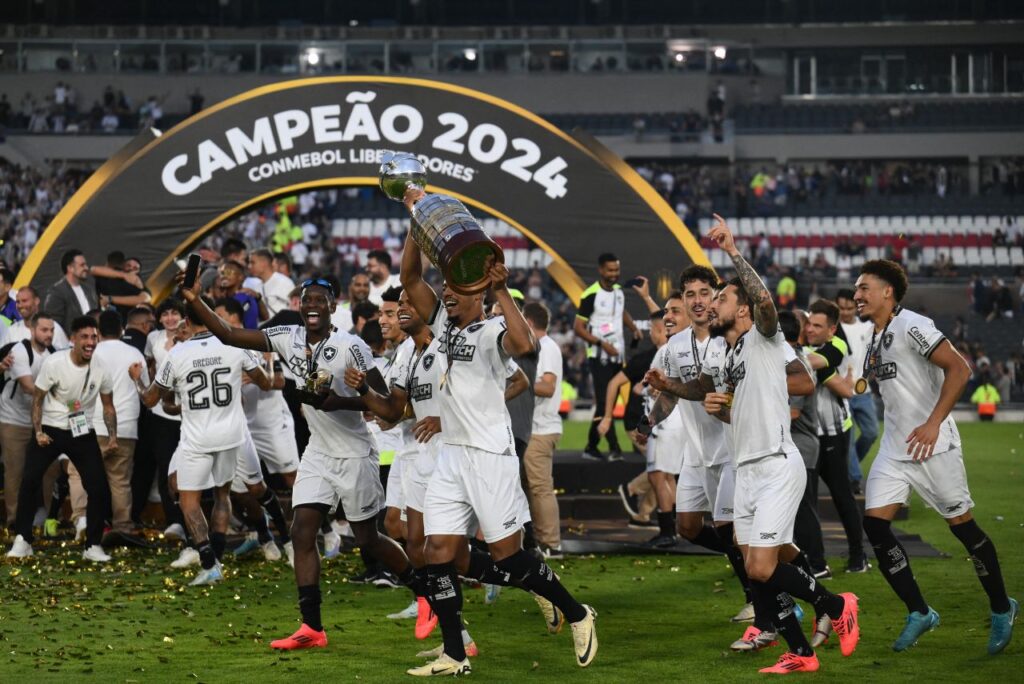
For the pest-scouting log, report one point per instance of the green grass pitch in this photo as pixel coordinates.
(661, 619)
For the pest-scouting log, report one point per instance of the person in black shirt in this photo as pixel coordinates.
(123, 293)
(139, 322)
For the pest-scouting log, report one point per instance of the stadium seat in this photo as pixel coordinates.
(366, 227)
(338, 228)
(972, 256)
(988, 256)
(1002, 256)
(1017, 256)
(744, 227)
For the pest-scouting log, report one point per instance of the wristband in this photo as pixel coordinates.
(363, 389)
(644, 427)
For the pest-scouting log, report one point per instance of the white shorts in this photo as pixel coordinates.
(707, 489)
(354, 483)
(198, 472)
(941, 482)
(277, 448)
(665, 453)
(470, 486)
(247, 470)
(417, 473)
(768, 492)
(394, 497)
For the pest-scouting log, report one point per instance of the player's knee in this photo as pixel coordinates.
(688, 528)
(759, 570)
(876, 529)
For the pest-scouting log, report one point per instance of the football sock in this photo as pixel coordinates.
(795, 582)
(446, 600)
(529, 538)
(667, 523)
(206, 555)
(801, 562)
(526, 572)
(732, 552)
(218, 540)
(894, 563)
(61, 488)
(414, 580)
(784, 618)
(309, 606)
(273, 508)
(482, 568)
(709, 538)
(259, 523)
(325, 525)
(986, 563)
(764, 606)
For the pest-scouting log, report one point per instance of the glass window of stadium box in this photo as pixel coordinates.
(366, 58)
(505, 57)
(47, 56)
(139, 57)
(231, 58)
(548, 57)
(599, 56)
(279, 58)
(458, 57)
(322, 58)
(184, 58)
(408, 57)
(8, 57)
(647, 56)
(95, 57)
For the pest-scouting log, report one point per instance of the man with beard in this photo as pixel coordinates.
(770, 475)
(358, 292)
(340, 463)
(477, 473)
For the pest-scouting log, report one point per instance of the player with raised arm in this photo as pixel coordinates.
(477, 472)
(340, 465)
(207, 374)
(770, 475)
(920, 377)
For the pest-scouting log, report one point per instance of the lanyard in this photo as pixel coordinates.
(311, 355)
(693, 345)
(85, 384)
(872, 358)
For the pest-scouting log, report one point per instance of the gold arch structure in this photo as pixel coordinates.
(159, 282)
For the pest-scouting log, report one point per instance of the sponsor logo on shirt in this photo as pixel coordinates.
(735, 373)
(919, 337)
(422, 392)
(885, 371)
(357, 354)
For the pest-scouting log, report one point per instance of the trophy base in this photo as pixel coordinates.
(466, 261)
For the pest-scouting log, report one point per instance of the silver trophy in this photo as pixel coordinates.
(442, 227)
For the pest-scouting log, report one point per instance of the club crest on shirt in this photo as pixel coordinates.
(473, 328)
(428, 361)
(330, 353)
(889, 337)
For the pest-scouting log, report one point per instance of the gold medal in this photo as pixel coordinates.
(861, 386)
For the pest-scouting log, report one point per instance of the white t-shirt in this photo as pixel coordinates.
(706, 441)
(376, 291)
(156, 349)
(207, 375)
(19, 330)
(546, 420)
(116, 356)
(342, 317)
(83, 302)
(276, 291)
(858, 337)
(909, 383)
(755, 367)
(341, 434)
(602, 310)
(421, 381)
(70, 388)
(473, 412)
(395, 372)
(672, 427)
(15, 403)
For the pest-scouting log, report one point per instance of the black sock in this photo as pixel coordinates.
(764, 606)
(894, 563)
(446, 600)
(482, 568)
(414, 580)
(526, 572)
(800, 561)
(667, 523)
(309, 606)
(206, 555)
(986, 563)
(797, 583)
(710, 539)
(259, 523)
(325, 525)
(372, 566)
(784, 619)
(219, 541)
(273, 508)
(732, 552)
(60, 492)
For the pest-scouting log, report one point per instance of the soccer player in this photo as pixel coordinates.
(207, 374)
(340, 463)
(477, 472)
(66, 391)
(920, 377)
(865, 415)
(829, 356)
(770, 475)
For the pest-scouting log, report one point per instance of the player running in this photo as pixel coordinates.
(920, 376)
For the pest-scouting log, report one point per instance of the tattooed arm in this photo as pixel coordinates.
(110, 421)
(42, 438)
(766, 318)
(691, 390)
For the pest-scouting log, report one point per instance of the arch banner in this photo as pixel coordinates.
(164, 193)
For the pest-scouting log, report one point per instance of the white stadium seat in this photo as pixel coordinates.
(1017, 256)
(1002, 256)
(744, 226)
(988, 256)
(338, 228)
(973, 256)
(825, 226)
(365, 228)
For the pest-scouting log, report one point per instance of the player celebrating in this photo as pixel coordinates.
(477, 472)
(915, 365)
(208, 376)
(340, 463)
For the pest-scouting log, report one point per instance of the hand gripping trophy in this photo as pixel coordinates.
(442, 227)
